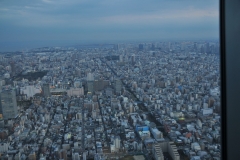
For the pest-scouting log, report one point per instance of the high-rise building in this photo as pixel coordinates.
(117, 142)
(46, 90)
(8, 105)
(90, 86)
(13, 67)
(108, 92)
(140, 47)
(84, 155)
(121, 58)
(116, 47)
(195, 46)
(99, 85)
(169, 46)
(153, 47)
(90, 77)
(90, 82)
(76, 156)
(118, 85)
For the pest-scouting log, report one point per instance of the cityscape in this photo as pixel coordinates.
(157, 100)
(110, 79)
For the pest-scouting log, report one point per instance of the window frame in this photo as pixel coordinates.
(230, 86)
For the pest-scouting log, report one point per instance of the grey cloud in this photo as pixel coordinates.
(55, 21)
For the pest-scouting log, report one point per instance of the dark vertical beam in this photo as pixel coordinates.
(230, 77)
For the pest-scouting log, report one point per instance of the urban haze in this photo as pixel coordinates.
(110, 79)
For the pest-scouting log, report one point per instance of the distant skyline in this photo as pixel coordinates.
(37, 23)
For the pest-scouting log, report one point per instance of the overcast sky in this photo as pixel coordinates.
(37, 23)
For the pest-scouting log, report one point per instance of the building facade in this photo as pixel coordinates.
(46, 90)
(8, 105)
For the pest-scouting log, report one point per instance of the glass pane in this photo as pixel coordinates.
(111, 79)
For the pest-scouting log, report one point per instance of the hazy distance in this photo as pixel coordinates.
(28, 24)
